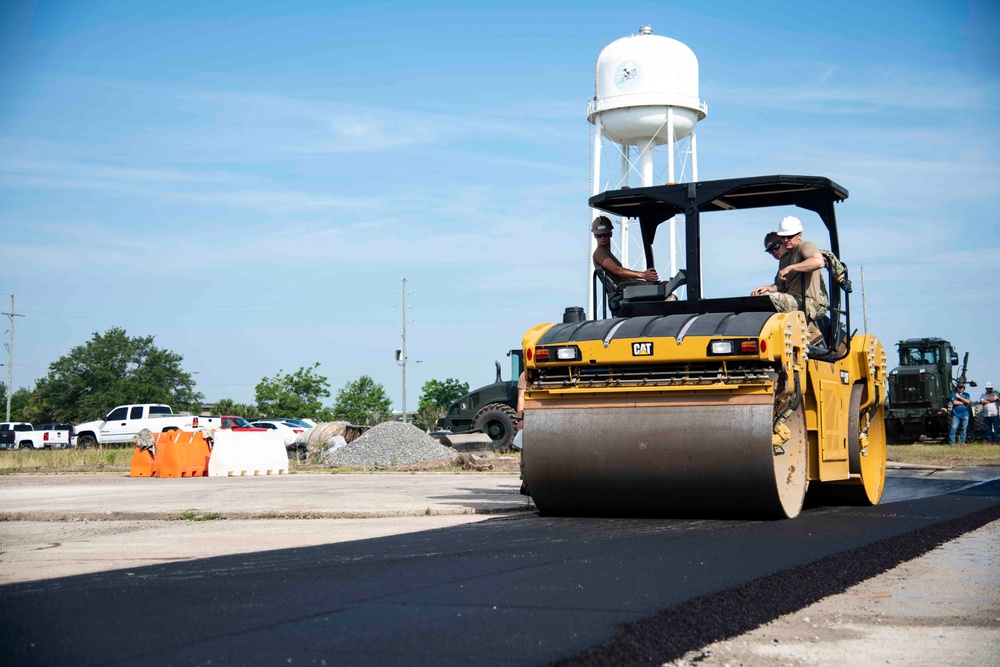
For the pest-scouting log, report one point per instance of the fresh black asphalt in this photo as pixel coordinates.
(526, 590)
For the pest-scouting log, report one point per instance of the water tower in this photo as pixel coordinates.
(645, 104)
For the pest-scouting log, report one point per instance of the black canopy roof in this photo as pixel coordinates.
(656, 204)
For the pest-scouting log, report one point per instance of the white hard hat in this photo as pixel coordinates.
(789, 226)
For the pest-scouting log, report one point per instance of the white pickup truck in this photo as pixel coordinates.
(122, 423)
(22, 435)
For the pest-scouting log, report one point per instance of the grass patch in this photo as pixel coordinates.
(970, 455)
(119, 459)
(193, 516)
(97, 459)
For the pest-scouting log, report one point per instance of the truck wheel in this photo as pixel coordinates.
(497, 421)
(86, 442)
(27, 445)
(893, 432)
(977, 427)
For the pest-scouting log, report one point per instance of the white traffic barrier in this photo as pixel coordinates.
(236, 453)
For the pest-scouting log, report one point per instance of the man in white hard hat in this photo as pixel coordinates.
(798, 284)
(604, 258)
(991, 415)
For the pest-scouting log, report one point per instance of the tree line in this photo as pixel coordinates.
(114, 369)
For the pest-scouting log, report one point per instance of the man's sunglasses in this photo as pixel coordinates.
(773, 248)
(602, 236)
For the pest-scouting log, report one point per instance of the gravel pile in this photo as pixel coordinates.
(389, 444)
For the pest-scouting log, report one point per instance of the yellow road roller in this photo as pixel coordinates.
(705, 407)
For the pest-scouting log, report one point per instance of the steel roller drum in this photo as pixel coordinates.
(693, 459)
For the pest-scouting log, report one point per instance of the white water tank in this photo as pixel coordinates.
(636, 79)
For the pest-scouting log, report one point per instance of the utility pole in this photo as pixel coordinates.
(10, 355)
(401, 353)
(404, 351)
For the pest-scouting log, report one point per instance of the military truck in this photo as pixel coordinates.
(920, 389)
(491, 409)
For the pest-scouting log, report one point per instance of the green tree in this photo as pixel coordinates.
(224, 406)
(246, 410)
(294, 395)
(20, 404)
(22, 408)
(436, 398)
(108, 370)
(442, 394)
(361, 402)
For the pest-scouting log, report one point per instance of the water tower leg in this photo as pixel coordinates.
(694, 157)
(595, 186)
(670, 146)
(646, 164)
(595, 166)
(626, 166)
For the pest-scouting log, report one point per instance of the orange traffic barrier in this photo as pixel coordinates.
(177, 454)
(143, 464)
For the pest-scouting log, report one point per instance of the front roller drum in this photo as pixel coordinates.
(673, 460)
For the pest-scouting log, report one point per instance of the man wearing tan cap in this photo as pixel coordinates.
(605, 259)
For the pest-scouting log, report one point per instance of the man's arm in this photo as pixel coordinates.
(609, 265)
(764, 289)
(810, 263)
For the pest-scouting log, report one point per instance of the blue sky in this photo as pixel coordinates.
(251, 182)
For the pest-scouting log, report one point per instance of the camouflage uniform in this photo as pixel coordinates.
(785, 302)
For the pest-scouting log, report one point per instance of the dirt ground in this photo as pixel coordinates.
(940, 609)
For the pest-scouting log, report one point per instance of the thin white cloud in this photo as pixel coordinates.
(221, 189)
(838, 91)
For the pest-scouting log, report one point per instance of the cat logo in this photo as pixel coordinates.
(845, 377)
(642, 349)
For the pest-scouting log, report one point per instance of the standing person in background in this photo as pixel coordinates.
(960, 402)
(991, 414)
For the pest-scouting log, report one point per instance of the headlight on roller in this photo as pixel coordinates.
(720, 347)
(734, 347)
(558, 353)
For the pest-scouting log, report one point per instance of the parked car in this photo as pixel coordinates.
(22, 435)
(234, 423)
(122, 423)
(55, 435)
(289, 431)
(16, 435)
(297, 423)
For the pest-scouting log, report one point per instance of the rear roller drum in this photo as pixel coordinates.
(866, 453)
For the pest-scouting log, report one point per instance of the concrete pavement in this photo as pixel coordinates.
(60, 525)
